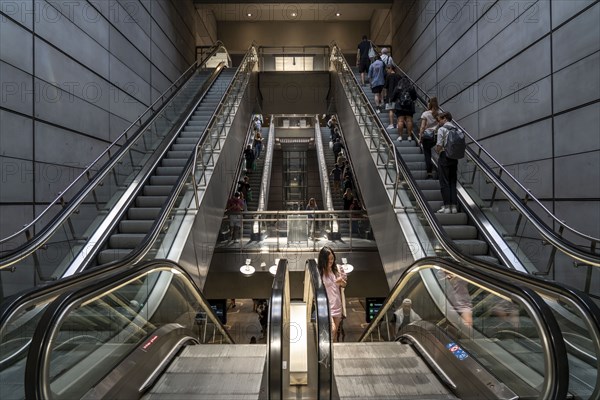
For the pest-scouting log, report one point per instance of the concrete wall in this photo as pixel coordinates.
(237, 36)
(522, 77)
(74, 75)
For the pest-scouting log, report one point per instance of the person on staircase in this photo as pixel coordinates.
(447, 167)
(428, 132)
(377, 80)
(404, 97)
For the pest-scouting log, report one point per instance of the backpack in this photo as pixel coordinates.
(406, 102)
(455, 143)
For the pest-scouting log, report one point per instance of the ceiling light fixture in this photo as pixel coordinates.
(347, 267)
(249, 14)
(338, 14)
(247, 269)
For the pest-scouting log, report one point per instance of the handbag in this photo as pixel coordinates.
(343, 296)
(428, 134)
(371, 53)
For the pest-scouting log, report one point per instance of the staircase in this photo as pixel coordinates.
(458, 226)
(213, 371)
(147, 206)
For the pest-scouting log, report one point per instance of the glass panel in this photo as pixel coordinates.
(496, 329)
(52, 260)
(95, 335)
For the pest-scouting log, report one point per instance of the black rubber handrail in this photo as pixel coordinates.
(8, 307)
(278, 345)
(589, 309)
(557, 384)
(34, 243)
(36, 370)
(568, 247)
(323, 331)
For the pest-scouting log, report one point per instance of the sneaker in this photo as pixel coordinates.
(400, 138)
(410, 139)
(378, 109)
(390, 126)
(429, 176)
(441, 210)
(453, 209)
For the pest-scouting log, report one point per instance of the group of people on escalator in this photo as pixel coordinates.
(397, 95)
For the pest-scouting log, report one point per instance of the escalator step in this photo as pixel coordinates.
(187, 140)
(157, 190)
(429, 184)
(150, 201)
(416, 166)
(472, 247)
(169, 171)
(413, 157)
(452, 219)
(183, 147)
(143, 213)
(461, 232)
(432, 195)
(163, 180)
(109, 255)
(125, 240)
(135, 226)
(174, 162)
(178, 154)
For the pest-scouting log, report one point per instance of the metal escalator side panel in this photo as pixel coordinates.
(507, 328)
(86, 333)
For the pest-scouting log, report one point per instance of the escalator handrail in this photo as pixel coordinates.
(514, 199)
(324, 345)
(582, 299)
(549, 234)
(189, 169)
(278, 347)
(590, 311)
(36, 370)
(556, 384)
(10, 305)
(14, 302)
(34, 243)
(557, 241)
(265, 182)
(144, 246)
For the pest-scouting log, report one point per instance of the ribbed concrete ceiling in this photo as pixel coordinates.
(291, 11)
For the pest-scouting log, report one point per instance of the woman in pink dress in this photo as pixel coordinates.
(334, 279)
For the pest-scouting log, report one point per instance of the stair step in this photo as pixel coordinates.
(168, 171)
(146, 213)
(174, 162)
(110, 255)
(135, 226)
(163, 180)
(472, 247)
(125, 240)
(150, 201)
(461, 232)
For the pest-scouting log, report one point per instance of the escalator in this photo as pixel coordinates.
(415, 214)
(55, 244)
(146, 206)
(445, 355)
(460, 227)
(146, 332)
(20, 314)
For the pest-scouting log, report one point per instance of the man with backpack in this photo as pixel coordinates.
(404, 97)
(451, 147)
